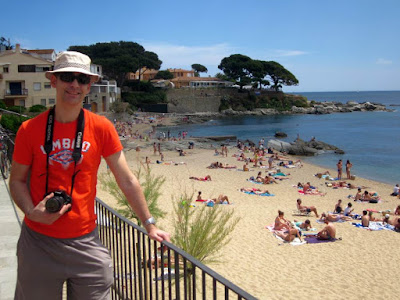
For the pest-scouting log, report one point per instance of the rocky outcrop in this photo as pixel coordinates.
(300, 147)
(337, 107)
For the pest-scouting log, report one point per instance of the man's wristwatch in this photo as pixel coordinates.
(149, 221)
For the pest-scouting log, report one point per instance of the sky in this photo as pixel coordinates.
(342, 45)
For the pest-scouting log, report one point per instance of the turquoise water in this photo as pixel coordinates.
(371, 140)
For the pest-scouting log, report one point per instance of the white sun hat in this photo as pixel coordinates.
(72, 61)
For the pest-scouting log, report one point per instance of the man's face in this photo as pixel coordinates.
(69, 93)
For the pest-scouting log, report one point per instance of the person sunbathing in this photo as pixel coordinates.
(246, 167)
(328, 232)
(281, 223)
(358, 195)
(306, 225)
(207, 178)
(348, 211)
(370, 197)
(338, 207)
(259, 177)
(397, 210)
(289, 235)
(365, 219)
(255, 191)
(306, 209)
(269, 179)
(222, 199)
(334, 217)
(310, 190)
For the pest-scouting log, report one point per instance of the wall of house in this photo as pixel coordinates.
(27, 79)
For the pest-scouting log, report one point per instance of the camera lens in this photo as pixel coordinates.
(54, 204)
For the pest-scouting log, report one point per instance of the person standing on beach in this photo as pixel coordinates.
(348, 168)
(339, 169)
(59, 240)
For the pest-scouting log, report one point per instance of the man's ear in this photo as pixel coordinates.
(53, 80)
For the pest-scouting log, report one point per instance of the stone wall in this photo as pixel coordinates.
(189, 100)
(193, 100)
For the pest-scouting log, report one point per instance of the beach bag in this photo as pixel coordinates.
(210, 204)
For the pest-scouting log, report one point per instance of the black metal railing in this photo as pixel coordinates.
(146, 269)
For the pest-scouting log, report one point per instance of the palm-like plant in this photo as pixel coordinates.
(202, 232)
(151, 186)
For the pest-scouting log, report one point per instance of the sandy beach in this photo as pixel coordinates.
(362, 263)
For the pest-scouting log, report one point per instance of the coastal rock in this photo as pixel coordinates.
(300, 147)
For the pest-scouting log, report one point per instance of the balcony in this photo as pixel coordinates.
(20, 93)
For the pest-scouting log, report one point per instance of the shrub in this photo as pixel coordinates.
(151, 186)
(37, 108)
(12, 122)
(17, 109)
(2, 104)
(203, 231)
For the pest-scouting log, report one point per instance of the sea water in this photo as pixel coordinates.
(371, 140)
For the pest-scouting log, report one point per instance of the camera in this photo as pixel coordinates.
(55, 203)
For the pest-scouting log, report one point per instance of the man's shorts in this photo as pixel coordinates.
(45, 263)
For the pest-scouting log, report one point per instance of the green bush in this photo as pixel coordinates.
(17, 109)
(12, 122)
(37, 108)
(2, 104)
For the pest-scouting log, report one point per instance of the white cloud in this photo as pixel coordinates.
(382, 61)
(280, 53)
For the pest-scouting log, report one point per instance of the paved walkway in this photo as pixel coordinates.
(9, 233)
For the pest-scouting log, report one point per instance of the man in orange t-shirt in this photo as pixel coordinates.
(62, 150)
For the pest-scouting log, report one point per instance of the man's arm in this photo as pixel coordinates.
(21, 196)
(132, 190)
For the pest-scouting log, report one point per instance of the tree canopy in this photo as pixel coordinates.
(198, 68)
(244, 71)
(6, 43)
(119, 58)
(164, 74)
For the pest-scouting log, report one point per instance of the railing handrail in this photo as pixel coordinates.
(194, 261)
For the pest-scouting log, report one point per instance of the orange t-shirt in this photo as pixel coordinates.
(99, 139)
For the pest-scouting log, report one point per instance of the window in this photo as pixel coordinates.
(26, 68)
(52, 101)
(5, 69)
(47, 85)
(43, 102)
(42, 69)
(37, 86)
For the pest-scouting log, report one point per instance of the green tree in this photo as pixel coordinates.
(119, 58)
(198, 68)
(164, 74)
(237, 67)
(151, 186)
(6, 43)
(279, 75)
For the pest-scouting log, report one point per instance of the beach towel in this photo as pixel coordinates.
(339, 221)
(312, 239)
(253, 193)
(374, 226)
(295, 242)
(256, 182)
(311, 194)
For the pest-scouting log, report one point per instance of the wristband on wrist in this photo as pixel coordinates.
(149, 221)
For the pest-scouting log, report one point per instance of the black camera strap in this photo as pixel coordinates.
(48, 144)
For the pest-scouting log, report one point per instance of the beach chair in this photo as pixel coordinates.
(297, 212)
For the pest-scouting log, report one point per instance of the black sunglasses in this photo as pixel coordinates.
(70, 77)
